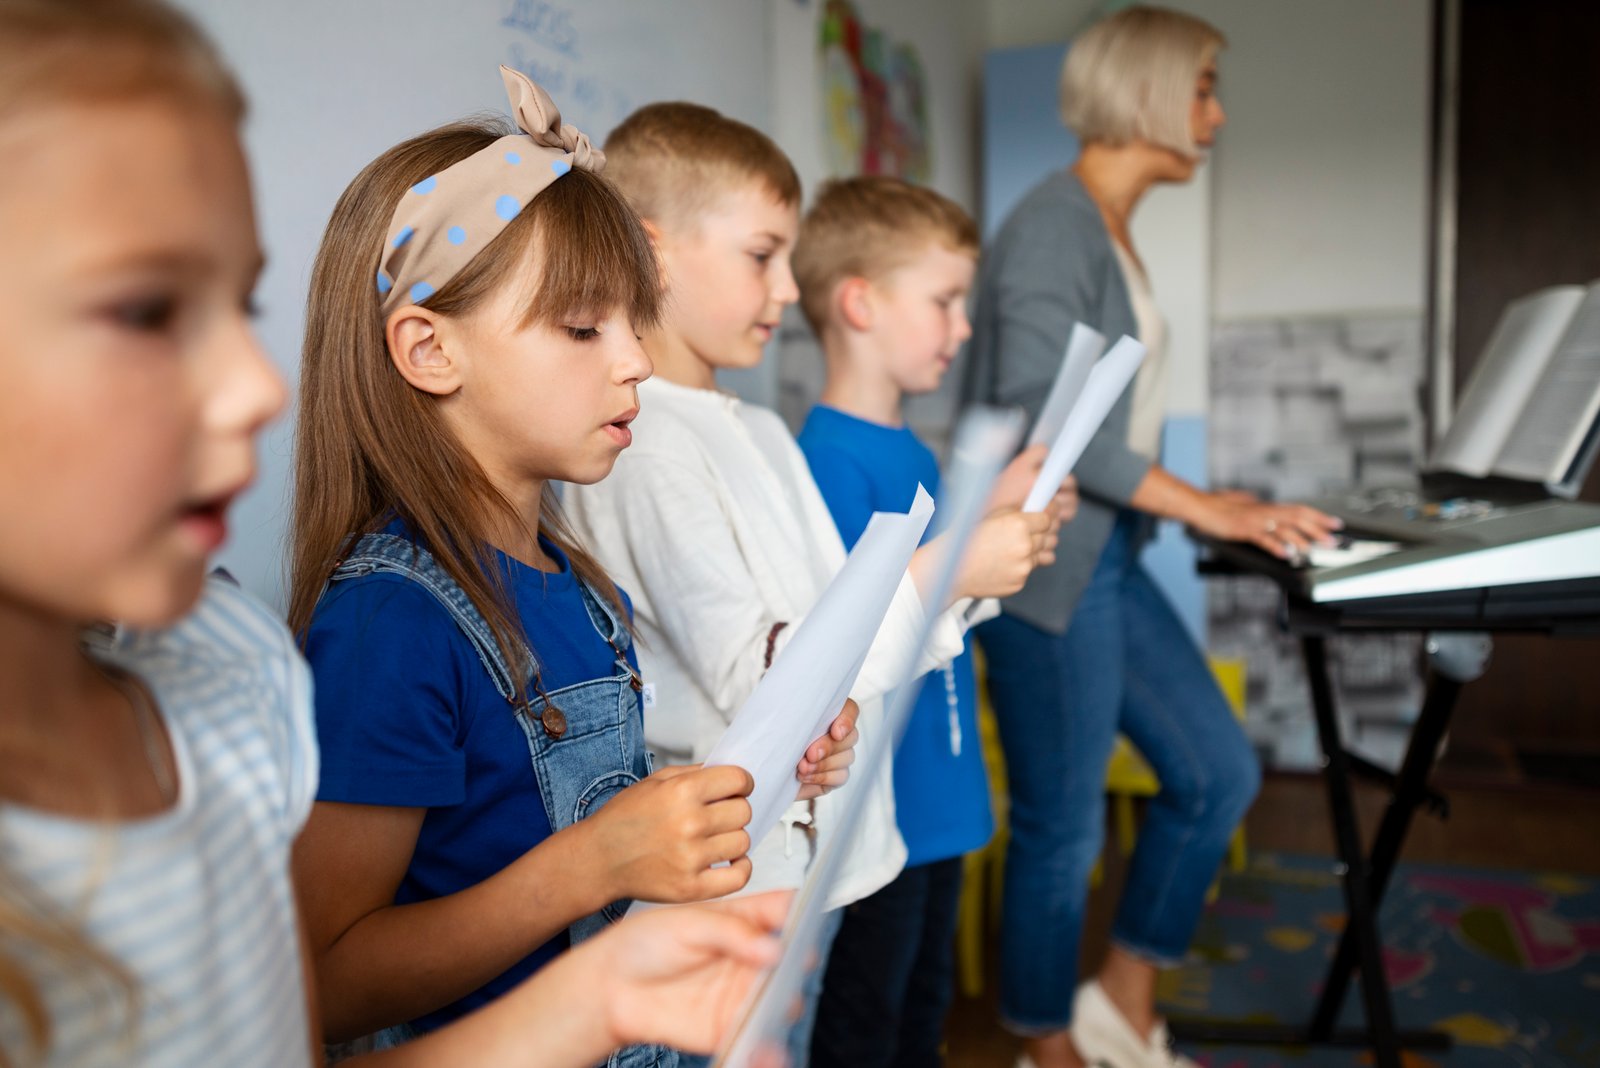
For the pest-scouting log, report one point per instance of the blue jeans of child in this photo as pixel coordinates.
(1125, 664)
(892, 974)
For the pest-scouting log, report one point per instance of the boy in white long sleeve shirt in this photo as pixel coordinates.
(711, 519)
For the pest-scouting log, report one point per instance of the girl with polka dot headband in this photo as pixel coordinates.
(486, 797)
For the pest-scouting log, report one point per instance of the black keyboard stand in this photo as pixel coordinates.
(1457, 651)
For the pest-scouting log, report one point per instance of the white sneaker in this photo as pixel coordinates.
(1024, 1061)
(1166, 1056)
(1101, 1032)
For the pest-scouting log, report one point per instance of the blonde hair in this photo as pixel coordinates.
(53, 52)
(369, 447)
(867, 226)
(1132, 76)
(674, 160)
(86, 50)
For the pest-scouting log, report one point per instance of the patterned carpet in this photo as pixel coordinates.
(1506, 962)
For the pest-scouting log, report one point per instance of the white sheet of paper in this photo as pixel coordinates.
(801, 694)
(1084, 346)
(984, 441)
(1355, 552)
(1107, 379)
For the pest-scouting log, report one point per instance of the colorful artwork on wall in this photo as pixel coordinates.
(875, 99)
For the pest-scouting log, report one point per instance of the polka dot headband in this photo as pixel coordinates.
(448, 218)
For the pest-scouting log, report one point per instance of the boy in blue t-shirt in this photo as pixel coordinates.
(883, 269)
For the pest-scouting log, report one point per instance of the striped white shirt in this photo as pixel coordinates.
(195, 903)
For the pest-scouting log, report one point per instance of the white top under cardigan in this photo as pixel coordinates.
(713, 525)
(1149, 409)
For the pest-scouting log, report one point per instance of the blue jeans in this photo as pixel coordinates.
(1125, 664)
(892, 974)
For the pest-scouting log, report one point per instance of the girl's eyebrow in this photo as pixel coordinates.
(167, 260)
(173, 261)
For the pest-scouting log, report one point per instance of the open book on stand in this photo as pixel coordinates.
(1531, 411)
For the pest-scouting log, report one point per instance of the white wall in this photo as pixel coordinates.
(1321, 174)
(1172, 229)
(1018, 23)
(1317, 189)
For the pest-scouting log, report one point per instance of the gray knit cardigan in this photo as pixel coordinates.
(1051, 265)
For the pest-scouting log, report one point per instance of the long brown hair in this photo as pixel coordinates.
(369, 447)
(55, 52)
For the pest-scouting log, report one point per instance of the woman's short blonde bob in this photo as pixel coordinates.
(1131, 76)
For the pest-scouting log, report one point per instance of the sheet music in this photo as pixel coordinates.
(1561, 410)
(801, 694)
(1508, 373)
(984, 441)
(1084, 347)
(1106, 381)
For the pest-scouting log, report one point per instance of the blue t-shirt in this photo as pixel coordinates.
(407, 715)
(941, 796)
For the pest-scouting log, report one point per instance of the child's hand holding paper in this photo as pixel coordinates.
(1012, 487)
(826, 765)
(1006, 548)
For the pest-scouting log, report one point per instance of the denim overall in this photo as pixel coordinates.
(600, 751)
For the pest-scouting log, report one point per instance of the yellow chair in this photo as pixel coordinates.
(983, 870)
(1127, 777)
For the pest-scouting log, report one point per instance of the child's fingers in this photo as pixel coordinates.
(836, 761)
(817, 785)
(673, 771)
(837, 744)
(711, 929)
(1031, 459)
(731, 814)
(845, 722)
(721, 933)
(768, 1055)
(767, 911)
(712, 784)
(725, 848)
(715, 882)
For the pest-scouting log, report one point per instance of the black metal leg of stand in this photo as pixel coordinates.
(1455, 660)
(1360, 903)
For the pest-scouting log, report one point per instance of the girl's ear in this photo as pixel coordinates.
(854, 299)
(418, 351)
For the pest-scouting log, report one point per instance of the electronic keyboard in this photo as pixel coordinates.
(1398, 543)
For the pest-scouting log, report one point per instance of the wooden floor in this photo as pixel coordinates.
(1523, 828)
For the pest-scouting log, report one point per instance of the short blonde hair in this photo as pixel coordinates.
(674, 160)
(1132, 76)
(866, 227)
